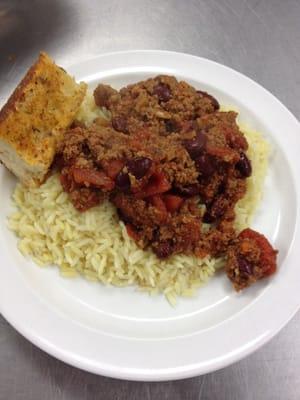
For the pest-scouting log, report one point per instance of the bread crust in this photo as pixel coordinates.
(34, 118)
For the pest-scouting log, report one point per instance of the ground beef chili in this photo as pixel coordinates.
(250, 257)
(171, 162)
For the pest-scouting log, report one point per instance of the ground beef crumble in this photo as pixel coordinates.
(170, 161)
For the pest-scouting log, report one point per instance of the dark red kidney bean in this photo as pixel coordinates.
(119, 124)
(189, 190)
(171, 125)
(164, 249)
(205, 165)
(214, 101)
(244, 265)
(139, 166)
(244, 166)
(195, 146)
(162, 91)
(122, 181)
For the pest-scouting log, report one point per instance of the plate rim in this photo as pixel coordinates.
(144, 373)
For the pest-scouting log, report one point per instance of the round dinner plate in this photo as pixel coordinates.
(124, 333)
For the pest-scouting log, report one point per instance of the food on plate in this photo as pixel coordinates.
(153, 185)
(250, 257)
(95, 243)
(43, 105)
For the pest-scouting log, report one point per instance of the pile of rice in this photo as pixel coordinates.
(95, 243)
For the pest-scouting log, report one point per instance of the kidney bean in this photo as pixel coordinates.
(195, 146)
(139, 166)
(244, 265)
(119, 124)
(244, 165)
(122, 181)
(214, 101)
(205, 165)
(162, 91)
(164, 249)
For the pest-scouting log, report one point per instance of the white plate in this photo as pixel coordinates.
(126, 334)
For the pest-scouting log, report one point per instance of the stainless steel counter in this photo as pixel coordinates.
(260, 38)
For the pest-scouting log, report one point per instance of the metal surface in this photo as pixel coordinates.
(260, 39)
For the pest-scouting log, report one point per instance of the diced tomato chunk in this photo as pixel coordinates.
(113, 167)
(91, 177)
(172, 202)
(158, 202)
(158, 183)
